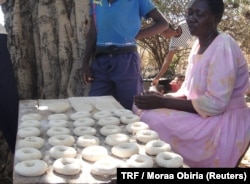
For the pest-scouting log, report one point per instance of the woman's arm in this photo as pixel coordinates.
(153, 101)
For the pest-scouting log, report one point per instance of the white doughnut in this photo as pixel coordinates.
(121, 112)
(58, 123)
(94, 153)
(67, 140)
(59, 107)
(136, 126)
(87, 140)
(125, 150)
(110, 129)
(61, 151)
(169, 160)
(30, 123)
(27, 154)
(28, 132)
(108, 121)
(156, 146)
(67, 166)
(31, 116)
(58, 116)
(84, 122)
(58, 131)
(106, 166)
(33, 142)
(129, 118)
(80, 114)
(31, 168)
(145, 136)
(84, 130)
(101, 114)
(117, 138)
(140, 161)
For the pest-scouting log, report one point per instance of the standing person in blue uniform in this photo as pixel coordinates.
(111, 41)
(8, 94)
(179, 38)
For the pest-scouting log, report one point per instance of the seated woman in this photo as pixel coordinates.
(207, 120)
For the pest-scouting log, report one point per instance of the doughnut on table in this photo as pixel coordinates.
(91, 104)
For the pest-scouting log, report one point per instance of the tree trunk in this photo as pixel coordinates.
(46, 39)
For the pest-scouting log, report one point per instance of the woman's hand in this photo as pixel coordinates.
(150, 100)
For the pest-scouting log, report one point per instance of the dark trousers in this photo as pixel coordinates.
(9, 100)
(118, 75)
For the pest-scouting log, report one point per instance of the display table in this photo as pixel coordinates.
(85, 176)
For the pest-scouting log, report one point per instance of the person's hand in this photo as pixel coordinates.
(149, 100)
(87, 77)
(155, 82)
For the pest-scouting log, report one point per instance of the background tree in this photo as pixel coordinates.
(46, 40)
(235, 21)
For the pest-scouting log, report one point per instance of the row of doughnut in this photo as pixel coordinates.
(29, 156)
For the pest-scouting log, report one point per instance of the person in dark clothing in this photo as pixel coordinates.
(9, 99)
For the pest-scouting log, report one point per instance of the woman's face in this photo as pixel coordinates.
(200, 20)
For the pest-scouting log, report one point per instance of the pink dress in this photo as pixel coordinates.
(216, 82)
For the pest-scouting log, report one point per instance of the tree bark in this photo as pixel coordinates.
(46, 39)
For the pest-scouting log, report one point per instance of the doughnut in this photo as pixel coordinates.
(58, 131)
(59, 107)
(30, 123)
(87, 140)
(136, 126)
(110, 129)
(61, 151)
(145, 136)
(66, 140)
(84, 130)
(117, 138)
(156, 146)
(31, 168)
(121, 112)
(125, 150)
(67, 166)
(28, 132)
(27, 154)
(58, 116)
(169, 159)
(101, 114)
(58, 123)
(84, 122)
(32, 116)
(129, 118)
(33, 142)
(106, 166)
(108, 121)
(139, 161)
(80, 114)
(94, 153)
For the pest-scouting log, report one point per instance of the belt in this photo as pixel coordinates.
(113, 50)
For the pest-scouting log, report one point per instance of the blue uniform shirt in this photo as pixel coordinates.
(119, 23)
